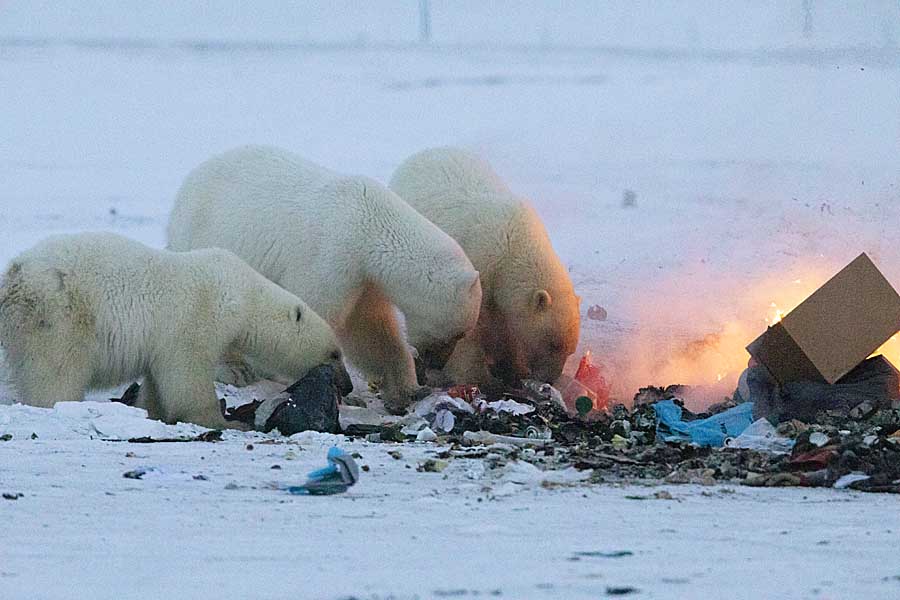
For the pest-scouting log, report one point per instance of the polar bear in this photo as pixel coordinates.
(95, 310)
(345, 244)
(530, 315)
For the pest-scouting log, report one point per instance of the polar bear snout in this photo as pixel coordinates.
(546, 373)
(509, 371)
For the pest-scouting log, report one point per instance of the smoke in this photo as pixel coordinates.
(694, 330)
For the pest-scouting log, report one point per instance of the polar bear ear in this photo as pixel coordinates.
(541, 300)
(296, 314)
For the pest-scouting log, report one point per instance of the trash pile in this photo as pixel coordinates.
(810, 410)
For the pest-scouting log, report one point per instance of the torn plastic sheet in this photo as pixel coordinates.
(712, 431)
(762, 436)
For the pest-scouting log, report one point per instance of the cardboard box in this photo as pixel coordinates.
(833, 330)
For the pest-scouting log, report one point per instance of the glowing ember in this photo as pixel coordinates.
(775, 314)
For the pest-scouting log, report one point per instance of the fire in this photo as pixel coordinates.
(775, 314)
(890, 350)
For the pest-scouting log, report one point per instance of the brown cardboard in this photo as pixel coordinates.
(833, 330)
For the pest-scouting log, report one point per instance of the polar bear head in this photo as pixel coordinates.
(422, 270)
(283, 337)
(434, 328)
(532, 319)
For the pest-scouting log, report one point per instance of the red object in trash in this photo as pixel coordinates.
(464, 392)
(591, 377)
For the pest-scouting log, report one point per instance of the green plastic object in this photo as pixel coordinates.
(583, 405)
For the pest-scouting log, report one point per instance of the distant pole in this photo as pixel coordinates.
(424, 21)
(807, 18)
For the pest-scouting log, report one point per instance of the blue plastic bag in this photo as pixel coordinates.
(711, 431)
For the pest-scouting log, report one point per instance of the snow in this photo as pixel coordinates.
(762, 154)
(404, 534)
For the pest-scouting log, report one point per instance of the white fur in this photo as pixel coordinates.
(345, 244)
(529, 318)
(90, 311)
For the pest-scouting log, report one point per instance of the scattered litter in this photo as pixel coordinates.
(483, 437)
(426, 435)
(341, 473)
(818, 439)
(596, 313)
(510, 406)
(621, 590)
(588, 383)
(432, 466)
(762, 436)
(712, 431)
(213, 435)
(434, 402)
(444, 421)
(873, 385)
(137, 473)
(310, 404)
(830, 333)
(849, 479)
(601, 554)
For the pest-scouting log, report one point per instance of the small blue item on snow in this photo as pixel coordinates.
(341, 472)
(712, 431)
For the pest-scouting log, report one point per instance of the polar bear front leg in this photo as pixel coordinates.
(468, 363)
(372, 342)
(186, 393)
(148, 399)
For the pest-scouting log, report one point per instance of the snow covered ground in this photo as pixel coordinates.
(761, 159)
(207, 521)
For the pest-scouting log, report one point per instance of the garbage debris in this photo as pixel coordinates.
(833, 330)
(484, 437)
(213, 435)
(597, 313)
(848, 479)
(426, 435)
(763, 437)
(589, 383)
(712, 431)
(873, 384)
(341, 473)
(310, 404)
